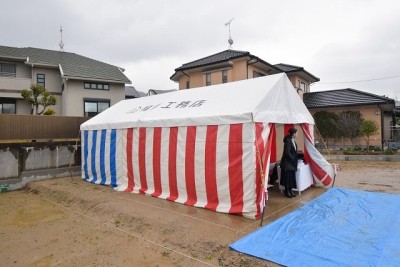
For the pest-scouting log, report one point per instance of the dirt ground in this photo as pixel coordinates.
(70, 222)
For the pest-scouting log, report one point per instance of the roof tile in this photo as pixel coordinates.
(343, 97)
(218, 57)
(73, 65)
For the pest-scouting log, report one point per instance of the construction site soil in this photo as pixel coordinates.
(71, 222)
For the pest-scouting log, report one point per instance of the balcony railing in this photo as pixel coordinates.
(15, 82)
(14, 75)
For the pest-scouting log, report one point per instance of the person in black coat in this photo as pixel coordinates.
(289, 163)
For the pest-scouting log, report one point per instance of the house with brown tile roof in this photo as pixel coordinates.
(380, 109)
(234, 65)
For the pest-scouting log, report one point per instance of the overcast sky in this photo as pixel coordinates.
(339, 41)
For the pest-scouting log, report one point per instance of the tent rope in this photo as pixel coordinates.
(157, 207)
(129, 233)
(323, 141)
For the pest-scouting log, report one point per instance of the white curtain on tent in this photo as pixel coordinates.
(322, 170)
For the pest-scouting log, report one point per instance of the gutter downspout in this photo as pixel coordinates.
(394, 119)
(247, 68)
(63, 87)
(61, 70)
(28, 63)
(382, 128)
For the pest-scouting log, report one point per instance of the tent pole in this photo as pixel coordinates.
(73, 153)
(333, 183)
(262, 180)
(263, 211)
(334, 176)
(262, 184)
(267, 150)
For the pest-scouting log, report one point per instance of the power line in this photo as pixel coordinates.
(359, 81)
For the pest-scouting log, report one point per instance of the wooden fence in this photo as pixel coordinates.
(33, 128)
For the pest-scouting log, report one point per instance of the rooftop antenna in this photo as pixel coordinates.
(230, 41)
(61, 44)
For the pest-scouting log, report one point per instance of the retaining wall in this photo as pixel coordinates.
(21, 163)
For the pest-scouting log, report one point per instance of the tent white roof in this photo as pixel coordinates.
(265, 99)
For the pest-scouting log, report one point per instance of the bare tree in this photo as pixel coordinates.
(349, 123)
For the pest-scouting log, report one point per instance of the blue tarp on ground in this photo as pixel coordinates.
(342, 227)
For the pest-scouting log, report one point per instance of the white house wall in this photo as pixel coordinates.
(53, 85)
(75, 94)
(70, 99)
(23, 107)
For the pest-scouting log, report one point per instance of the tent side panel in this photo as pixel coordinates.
(260, 146)
(85, 154)
(242, 155)
(211, 167)
(265, 136)
(321, 169)
(103, 157)
(190, 172)
(236, 168)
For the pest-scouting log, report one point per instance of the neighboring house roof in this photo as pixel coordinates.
(343, 98)
(131, 92)
(71, 65)
(227, 55)
(217, 58)
(292, 68)
(157, 92)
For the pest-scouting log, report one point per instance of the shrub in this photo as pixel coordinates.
(389, 152)
(49, 112)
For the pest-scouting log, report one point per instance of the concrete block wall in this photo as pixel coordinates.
(20, 164)
(48, 158)
(8, 164)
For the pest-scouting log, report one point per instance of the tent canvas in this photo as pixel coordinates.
(207, 147)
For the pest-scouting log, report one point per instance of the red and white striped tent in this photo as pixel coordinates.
(207, 147)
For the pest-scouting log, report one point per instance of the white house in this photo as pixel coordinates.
(82, 86)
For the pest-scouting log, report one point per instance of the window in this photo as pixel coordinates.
(7, 106)
(257, 74)
(224, 76)
(93, 107)
(208, 79)
(96, 86)
(302, 86)
(7, 70)
(40, 78)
